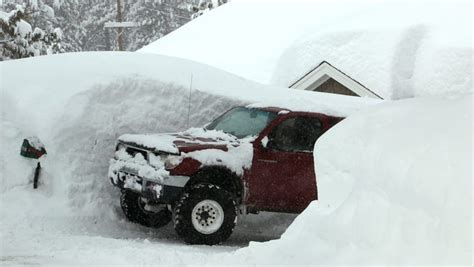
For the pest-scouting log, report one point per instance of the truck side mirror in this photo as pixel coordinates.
(268, 143)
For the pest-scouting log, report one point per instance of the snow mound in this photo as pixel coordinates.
(388, 46)
(395, 187)
(49, 83)
(396, 61)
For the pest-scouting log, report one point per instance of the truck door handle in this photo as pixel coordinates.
(267, 160)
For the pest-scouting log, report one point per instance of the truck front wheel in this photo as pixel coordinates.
(136, 210)
(205, 215)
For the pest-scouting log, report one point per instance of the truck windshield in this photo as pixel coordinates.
(242, 122)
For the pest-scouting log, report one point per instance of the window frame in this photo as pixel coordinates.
(294, 116)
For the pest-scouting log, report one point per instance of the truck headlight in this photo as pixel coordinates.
(120, 146)
(172, 162)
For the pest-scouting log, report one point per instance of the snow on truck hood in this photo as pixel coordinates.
(174, 143)
(210, 147)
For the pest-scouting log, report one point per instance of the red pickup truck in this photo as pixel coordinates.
(247, 160)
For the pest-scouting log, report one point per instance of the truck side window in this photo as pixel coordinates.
(297, 134)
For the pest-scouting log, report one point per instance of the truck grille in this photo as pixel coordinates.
(133, 151)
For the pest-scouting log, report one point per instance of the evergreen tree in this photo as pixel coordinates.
(199, 7)
(69, 17)
(154, 19)
(81, 24)
(18, 40)
(96, 14)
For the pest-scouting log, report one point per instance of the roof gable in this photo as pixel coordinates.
(324, 71)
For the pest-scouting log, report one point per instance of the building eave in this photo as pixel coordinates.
(324, 71)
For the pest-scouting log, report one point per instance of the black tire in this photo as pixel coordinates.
(197, 195)
(133, 208)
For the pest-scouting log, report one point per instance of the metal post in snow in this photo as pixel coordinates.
(189, 100)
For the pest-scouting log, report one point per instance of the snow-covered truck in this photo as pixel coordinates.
(247, 160)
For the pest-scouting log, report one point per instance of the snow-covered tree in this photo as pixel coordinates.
(19, 40)
(82, 22)
(155, 19)
(69, 17)
(199, 7)
(95, 14)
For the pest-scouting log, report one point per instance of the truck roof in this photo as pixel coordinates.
(313, 102)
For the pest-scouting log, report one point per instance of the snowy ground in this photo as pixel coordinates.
(38, 228)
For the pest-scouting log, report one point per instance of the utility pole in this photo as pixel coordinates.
(120, 25)
(107, 40)
(119, 29)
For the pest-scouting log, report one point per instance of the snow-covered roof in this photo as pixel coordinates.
(396, 49)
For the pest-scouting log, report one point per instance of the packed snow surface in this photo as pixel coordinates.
(398, 49)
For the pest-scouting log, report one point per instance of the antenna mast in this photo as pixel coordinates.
(189, 100)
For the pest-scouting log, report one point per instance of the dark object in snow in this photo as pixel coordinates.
(205, 215)
(34, 149)
(247, 160)
(137, 210)
(37, 173)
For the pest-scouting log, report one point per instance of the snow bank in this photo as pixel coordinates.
(49, 83)
(395, 187)
(391, 47)
(397, 57)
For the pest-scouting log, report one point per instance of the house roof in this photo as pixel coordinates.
(395, 49)
(324, 71)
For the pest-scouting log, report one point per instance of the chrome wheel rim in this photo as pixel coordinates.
(207, 216)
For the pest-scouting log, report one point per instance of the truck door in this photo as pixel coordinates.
(282, 175)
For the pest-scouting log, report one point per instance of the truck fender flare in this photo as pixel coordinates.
(220, 176)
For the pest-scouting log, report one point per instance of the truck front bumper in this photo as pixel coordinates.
(165, 191)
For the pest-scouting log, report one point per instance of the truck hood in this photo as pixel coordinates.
(174, 143)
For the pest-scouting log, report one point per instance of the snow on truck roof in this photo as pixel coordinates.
(304, 101)
(397, 49)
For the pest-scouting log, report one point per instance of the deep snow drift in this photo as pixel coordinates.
(395, 187)
(391, 47)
